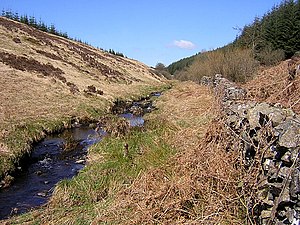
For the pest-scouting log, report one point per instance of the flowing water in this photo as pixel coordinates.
(57, 157)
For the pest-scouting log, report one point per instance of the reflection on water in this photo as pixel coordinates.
(134, 121)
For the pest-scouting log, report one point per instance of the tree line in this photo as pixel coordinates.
(111, 51)
(31, 21)
(266, 41)
(278, 30)
(182, 63)
(40, 25)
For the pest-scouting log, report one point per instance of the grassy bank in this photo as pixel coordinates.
(108, 172)
(176, 171)
(21, 131)
(46, 82)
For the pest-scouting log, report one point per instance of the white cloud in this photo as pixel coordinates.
(184, 44)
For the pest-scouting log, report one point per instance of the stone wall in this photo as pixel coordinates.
(268, 138)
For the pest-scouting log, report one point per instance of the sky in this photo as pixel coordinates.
(150, 31)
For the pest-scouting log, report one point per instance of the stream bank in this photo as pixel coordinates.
(63, 155)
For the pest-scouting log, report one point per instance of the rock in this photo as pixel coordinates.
(284, 197)
(275, 114)
(289, 214)
(254, 118)
(235, 93)
(264, 221)
(284, 172)
(265, 197)
(265, 214)
(217, 76)
(296, 221)
(266, 164)
(273, 171)
(262, 184)
(270, 153)
(295, 184)
(39, 172)
(227, 89)
(281, 213)
(289, 133)
(275, 188)
(285, 221)
(209, 81)
(257, 126)
(287, 157)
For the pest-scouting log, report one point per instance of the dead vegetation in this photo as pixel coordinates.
(30, 65)
(203, 183)
(235, 64)
(43, 78)
(197, 182)
(278, 84)
(198, 185)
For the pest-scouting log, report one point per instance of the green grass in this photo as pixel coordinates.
(83, 197)
(99, 179)
(27, 132)
(23, 135)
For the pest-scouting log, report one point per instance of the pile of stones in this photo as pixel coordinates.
(269, 136)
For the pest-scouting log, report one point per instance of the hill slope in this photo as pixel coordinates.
(278, 84)
(45, 80)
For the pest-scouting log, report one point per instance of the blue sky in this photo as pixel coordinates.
(150, 31)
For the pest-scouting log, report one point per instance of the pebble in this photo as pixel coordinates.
(39, 172)
(80, 161)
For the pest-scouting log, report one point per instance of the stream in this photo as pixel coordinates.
(49, 163)
(57, 157)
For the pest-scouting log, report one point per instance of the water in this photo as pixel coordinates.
(58, 157)
(134, 121)
(55, 158)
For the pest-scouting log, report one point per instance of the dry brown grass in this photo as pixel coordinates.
(274, 85)
(43, 78)
(199, 184)
(233, 63)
